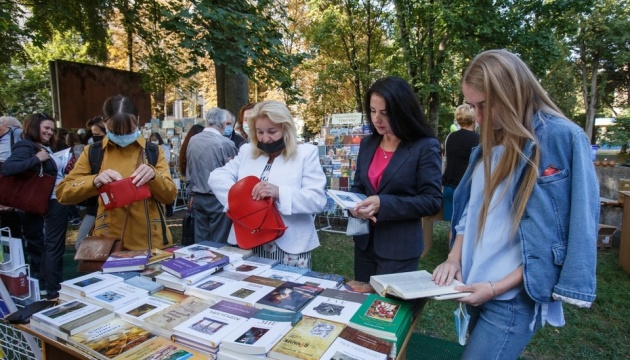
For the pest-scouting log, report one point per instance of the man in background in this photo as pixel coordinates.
(10, 133)
(229, 132)
(207, 151)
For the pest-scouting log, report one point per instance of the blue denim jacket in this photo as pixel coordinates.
(558, 230)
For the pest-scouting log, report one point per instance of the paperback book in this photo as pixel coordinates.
(354, 344)
(319, 282)
(414, 285)
(358, 287)
(210, 288)
(70, 318)
(158, 255)
(136, 312)
(338, 279)
(247, 267)
(211, 325)
(345, 199)
(83, 285)
(159, 348)
(126, 260)
(163, 322)
(116, 296)
(249, 290)
(335, 305)
(289, 296)
(187, 250)
(195, 263)
(308, 340)
(260, 332)
(144, 283)
(284, 273)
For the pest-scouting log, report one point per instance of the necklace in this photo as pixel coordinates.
(387, 154)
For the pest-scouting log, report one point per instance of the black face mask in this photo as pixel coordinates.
(273, 147)
(96, 138)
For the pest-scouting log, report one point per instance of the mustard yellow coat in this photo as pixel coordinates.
(144, 227)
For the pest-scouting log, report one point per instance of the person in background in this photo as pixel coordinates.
(290, 174)
(10, 133)
(182, 161)
(123, 157)
(457, 147)
(207, 151)
(45, 235)
(241, 126)
(97, 128)
(229, 132)
(525, 213)
(61, 139)
(156, 139)
(76, 148)
(399, 170)
(83, 136)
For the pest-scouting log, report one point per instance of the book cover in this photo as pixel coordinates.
(346, 200)
(383, 317)
(159, 348)
(247, 267)
(319, 282)
(83, 285)
(339, 279)
(110, 339)
(246, 292)
(335, 305)
(116, 296)
(358, 287)
(245, 253)
(72, 317)
(158, 255)
(355, 344)
(151, 271)
(212, 324)
(144, 283)
(187, 250)
(175, 314)
(233, 255)
(262, 260)
(281, 274)
(413, 285)
(194, 263)
(126, 260)
(308, 340)
(210, 288)
(257, 335)
(136, 312)
(227, 354)
(289, 296)
(126, 274)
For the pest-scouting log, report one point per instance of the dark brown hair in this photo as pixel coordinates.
(98, 121)
(194, 130)
(32, 128)
(241, 118)
(120, 115)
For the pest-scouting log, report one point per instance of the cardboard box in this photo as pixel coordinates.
(604, 236)
(624, 185)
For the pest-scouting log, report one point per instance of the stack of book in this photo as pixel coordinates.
(335, 305)
(136, 312)
(163, 321)
(126, 260)
(69, 318)
(214, 285)
(81, 286)
(200, 262)
(308, 340)
(354, 344)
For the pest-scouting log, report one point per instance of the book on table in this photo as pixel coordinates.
(88, 283)
(70, 318)
(338, 279)
(345, 199)
(116, 296)
(249, 290)
(126, 260)
(195, 263)
(284, 272)
(158, 255)
(414, 285)
(163, 322)
(211, 325)
(358, 287)
(247, 267)
(260, 332)
(144, 283)
(387, 318)
(354, 344)
(211, 287)
(335, 305)
(289, 296)
(235, 253)
(189, 249)
(110, 339)
(307, 340)
(227, 354)
(136, 312)
(160, 348)
(319, 282)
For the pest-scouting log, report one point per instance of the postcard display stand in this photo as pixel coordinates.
(338, 156)
(15, 344)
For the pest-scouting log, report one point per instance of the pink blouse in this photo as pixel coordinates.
(377, 166)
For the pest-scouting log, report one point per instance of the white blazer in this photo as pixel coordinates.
(301, 184)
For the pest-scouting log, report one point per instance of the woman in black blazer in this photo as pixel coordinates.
(399, 169)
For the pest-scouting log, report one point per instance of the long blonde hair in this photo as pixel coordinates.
(512, 96)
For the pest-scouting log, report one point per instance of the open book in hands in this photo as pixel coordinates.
(345, 199)
(413, 285)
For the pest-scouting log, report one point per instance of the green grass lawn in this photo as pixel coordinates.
(602, 332)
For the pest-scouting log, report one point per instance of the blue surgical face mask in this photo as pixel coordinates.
(123, 140)
(227, 131)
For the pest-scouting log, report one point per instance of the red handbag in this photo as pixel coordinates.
(28, 191)
(256, 222)
(121, 193)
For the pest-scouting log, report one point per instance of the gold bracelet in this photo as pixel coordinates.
(494, 293)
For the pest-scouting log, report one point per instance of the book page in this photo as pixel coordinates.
(414, 284)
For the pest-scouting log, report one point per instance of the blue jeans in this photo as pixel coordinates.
(500, 329)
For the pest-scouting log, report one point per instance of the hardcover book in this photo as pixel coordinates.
(163, 322)
(211, 325)
(258, 334)
(414, 285)
(194, 263)
(159, 348)
(335, 305)
(345, 199)
(116, 296)
(110, 339)
(126, 260)
(72, 317)
(308, 340)
(355, 344)
(386, 318)
(289, 296)
(83, 285)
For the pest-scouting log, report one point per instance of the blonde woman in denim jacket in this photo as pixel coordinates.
(525, 213)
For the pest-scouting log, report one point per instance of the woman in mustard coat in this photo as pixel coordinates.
(124, 156)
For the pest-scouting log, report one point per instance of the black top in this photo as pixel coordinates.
(237, 139)
(459, 145)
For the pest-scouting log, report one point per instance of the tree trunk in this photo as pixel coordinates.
(232, 89)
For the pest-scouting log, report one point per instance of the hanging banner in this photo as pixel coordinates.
(346, 119)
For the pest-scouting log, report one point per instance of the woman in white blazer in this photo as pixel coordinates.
(291, 174)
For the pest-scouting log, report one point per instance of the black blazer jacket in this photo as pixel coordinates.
(409, 190)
